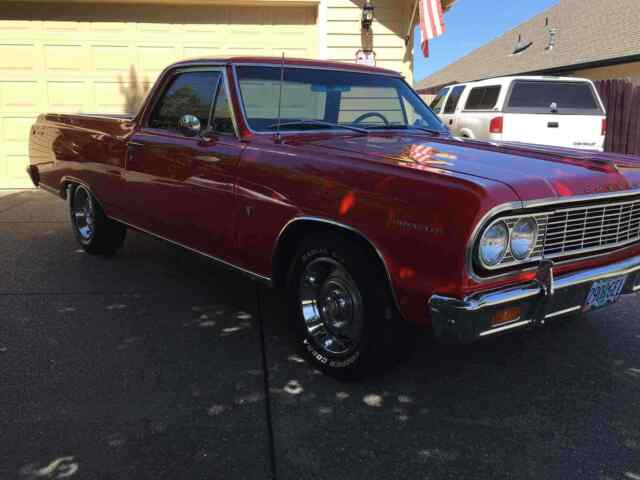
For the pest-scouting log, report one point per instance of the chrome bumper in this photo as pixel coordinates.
(545, 298)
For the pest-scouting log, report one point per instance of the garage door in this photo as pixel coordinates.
(84, 58)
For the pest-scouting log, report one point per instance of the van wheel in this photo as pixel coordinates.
(95, 232)
(339, 301)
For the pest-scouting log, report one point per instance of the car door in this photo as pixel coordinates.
(448, 114)
(181, 187)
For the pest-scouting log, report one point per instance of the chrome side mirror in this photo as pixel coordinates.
(189, 125)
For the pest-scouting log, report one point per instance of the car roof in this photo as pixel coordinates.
(289, 62)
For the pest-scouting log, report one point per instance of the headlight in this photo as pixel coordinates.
(494, 244)
(523, 238)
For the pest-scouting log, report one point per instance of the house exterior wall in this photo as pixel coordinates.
(629, 71)
(345, 36)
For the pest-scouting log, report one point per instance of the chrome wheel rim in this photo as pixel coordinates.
(331, 307)
(83, 213)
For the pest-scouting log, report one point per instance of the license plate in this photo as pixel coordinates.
(604, 292)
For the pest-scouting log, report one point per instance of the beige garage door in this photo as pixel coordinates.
(80, 58)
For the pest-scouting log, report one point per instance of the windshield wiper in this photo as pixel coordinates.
(432, 131)
(319, 123)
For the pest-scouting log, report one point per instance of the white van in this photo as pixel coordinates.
(563, 112)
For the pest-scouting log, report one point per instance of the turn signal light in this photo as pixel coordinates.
(505, 316)
(604, 127)
(496, 125)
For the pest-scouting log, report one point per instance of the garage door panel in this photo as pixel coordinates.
(104, 58)
(112, 58)
(18, 57)
(110, 27)
(155, 58)
(202, 51)
(58, 26)
(15, 134)
(65, 58)
(68, 96)
(20, 97)
(118, 96)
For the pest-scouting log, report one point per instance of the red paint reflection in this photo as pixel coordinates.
(347, 203)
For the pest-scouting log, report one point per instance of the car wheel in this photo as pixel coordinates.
(94, 231)
(340, 304)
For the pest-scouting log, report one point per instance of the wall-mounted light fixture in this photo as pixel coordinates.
(367, 15)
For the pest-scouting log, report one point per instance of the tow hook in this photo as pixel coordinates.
(544, 277)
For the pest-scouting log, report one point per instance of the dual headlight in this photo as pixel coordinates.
(499, 239)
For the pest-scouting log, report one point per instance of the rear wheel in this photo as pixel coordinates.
(343, 314)
(94, 231)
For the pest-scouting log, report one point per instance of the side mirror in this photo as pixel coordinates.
(189, 125)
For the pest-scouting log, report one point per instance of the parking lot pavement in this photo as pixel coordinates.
(148, 365)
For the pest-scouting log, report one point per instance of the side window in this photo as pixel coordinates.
(436, 104)
(188, 93)
(483, 98)
(222, 121)
(454, 98)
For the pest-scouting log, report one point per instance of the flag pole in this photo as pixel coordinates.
(411, 22)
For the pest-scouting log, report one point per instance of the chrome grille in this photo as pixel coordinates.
(582, 230)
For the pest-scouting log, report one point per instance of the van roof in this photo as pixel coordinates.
(503, 80)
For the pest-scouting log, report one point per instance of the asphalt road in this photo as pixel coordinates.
(150, 365)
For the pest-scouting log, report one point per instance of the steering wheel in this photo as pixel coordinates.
(365, 116)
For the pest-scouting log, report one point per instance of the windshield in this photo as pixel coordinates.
(315, 99)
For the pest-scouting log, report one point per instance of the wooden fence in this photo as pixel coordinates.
(622, 100)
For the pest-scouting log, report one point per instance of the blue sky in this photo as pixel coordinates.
(469, 25)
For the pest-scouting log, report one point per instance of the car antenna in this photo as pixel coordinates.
(278, 136)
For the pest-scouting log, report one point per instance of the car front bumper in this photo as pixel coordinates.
(543, 299)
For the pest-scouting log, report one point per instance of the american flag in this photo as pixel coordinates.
(431, 22)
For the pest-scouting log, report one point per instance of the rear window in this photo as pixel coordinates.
(483, 98)
(552, 97)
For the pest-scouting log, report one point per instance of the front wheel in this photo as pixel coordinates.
(343, 314)
(94, 231)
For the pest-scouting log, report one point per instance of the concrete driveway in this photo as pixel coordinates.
(150, 365)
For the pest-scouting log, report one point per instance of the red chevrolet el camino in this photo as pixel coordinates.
(337, 183)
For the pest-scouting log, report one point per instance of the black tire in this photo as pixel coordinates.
(376, 334)
(94, 231)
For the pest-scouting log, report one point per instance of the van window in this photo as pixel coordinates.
(535, 96)
(483, 98)
(454, 98)
(436, 104)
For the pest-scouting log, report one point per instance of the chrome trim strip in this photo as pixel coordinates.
(308, 218)
(563, 312)
(254, 275)
(580, 198)
(508, 326)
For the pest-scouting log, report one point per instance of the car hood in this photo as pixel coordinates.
(532, 171)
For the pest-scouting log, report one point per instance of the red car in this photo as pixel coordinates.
(337, 183)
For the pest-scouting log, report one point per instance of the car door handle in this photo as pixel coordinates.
(451, 122)
(553, 124)
(134, 145)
